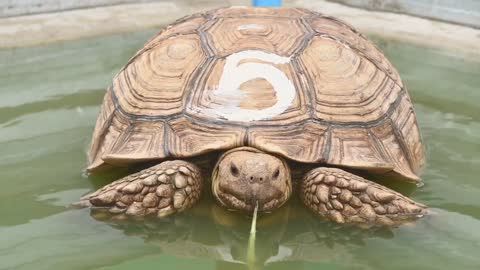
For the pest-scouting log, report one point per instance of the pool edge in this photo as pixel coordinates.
(43, 29)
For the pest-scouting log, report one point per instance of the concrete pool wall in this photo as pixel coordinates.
(76, 20)
(466, 12)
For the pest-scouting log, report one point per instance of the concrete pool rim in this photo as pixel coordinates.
(47, 28)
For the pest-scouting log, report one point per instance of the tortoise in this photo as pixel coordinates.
(269, 90)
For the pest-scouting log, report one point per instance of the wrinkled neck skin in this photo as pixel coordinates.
(246, 176)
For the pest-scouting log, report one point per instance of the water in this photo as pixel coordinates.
(49, 100)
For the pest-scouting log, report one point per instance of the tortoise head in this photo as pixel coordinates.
(246, 176)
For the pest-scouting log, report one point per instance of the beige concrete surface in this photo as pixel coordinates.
(40, 29)
(459, 40)
(464, 12)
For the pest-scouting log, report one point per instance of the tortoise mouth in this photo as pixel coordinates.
(235, 199)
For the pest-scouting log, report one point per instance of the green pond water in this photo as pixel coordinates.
(49, 100)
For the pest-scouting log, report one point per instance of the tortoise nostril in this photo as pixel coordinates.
(256, 179)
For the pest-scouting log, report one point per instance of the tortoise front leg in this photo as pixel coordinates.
(161, 190)
(347, 198)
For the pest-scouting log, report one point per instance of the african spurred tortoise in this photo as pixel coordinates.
(268, 88)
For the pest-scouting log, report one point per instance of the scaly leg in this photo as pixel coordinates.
(161, 190)
(347, 198)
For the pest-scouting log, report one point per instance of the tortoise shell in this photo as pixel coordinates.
(291, 82)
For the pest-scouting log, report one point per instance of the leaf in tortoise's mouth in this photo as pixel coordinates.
(251, 240)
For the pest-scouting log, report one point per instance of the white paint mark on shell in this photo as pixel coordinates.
(250, 26)
(237, 71)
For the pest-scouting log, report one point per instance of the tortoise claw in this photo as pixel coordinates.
(81, 204)
(346, 198)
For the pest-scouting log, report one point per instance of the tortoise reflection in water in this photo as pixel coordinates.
(287, 238)
(265, 86)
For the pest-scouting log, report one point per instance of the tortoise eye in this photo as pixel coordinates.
(234, 170)
(276, 173)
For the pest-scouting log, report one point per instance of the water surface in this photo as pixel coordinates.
(49, 100)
